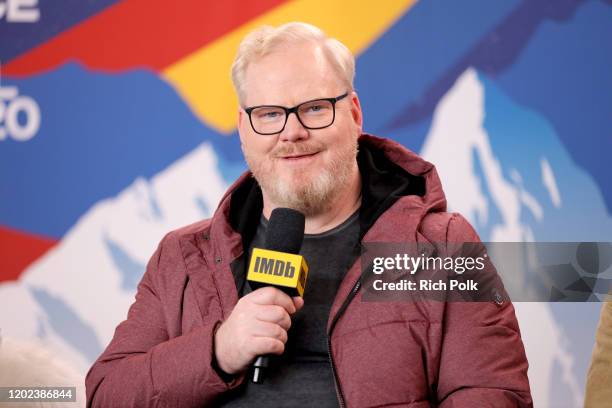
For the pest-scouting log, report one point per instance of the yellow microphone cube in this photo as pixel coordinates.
(285, 271)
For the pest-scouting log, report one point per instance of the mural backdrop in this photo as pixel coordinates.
(117, 124)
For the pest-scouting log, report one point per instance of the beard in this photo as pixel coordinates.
(311, 192)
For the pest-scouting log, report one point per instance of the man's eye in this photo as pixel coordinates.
(316, 108)
(269, 115)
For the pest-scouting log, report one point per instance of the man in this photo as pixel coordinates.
(196, 326)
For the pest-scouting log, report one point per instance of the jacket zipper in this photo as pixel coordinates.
(329, 345)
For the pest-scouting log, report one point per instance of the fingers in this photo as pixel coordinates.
(274, 314)
(272, 296)
(271, 330)
(258, 325)
(267, 345)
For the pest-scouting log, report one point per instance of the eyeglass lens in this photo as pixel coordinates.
(313, 114)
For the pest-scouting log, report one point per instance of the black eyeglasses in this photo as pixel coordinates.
(314, 114)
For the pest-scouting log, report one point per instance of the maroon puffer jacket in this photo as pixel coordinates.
(455, 354)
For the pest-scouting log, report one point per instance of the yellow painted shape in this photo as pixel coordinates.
(203, 77)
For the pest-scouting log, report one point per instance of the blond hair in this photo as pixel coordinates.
(265, 39)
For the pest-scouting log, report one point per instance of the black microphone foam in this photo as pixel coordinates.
(285, 232)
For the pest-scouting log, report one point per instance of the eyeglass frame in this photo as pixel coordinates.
(289, 111)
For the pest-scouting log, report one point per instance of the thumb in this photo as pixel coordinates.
(298, 302)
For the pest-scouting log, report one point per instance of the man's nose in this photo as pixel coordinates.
(294, 130)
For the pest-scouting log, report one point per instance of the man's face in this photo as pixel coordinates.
(300, 168)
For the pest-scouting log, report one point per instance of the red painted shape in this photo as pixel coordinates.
(140, 33)
(18, 250)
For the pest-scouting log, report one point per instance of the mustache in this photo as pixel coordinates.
(297, 149)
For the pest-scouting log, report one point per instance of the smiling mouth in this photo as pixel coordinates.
(299, 156)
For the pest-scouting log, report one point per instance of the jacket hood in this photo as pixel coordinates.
(388, 170)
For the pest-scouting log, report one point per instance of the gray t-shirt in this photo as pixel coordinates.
(302, 376)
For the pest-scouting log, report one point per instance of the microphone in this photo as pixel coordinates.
(279, 264)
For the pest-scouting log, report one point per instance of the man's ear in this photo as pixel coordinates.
(356, 111)
(242, 116)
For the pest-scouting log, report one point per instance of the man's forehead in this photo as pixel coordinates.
(290, 75)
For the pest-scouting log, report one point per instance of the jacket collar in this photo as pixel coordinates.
(383, 183)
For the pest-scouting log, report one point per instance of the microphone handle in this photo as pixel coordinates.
(260, 365)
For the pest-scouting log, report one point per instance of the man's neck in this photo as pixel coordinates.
(341, 208)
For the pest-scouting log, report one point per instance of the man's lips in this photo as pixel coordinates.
(298, 156)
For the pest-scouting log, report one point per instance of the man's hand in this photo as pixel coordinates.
(258, 325)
